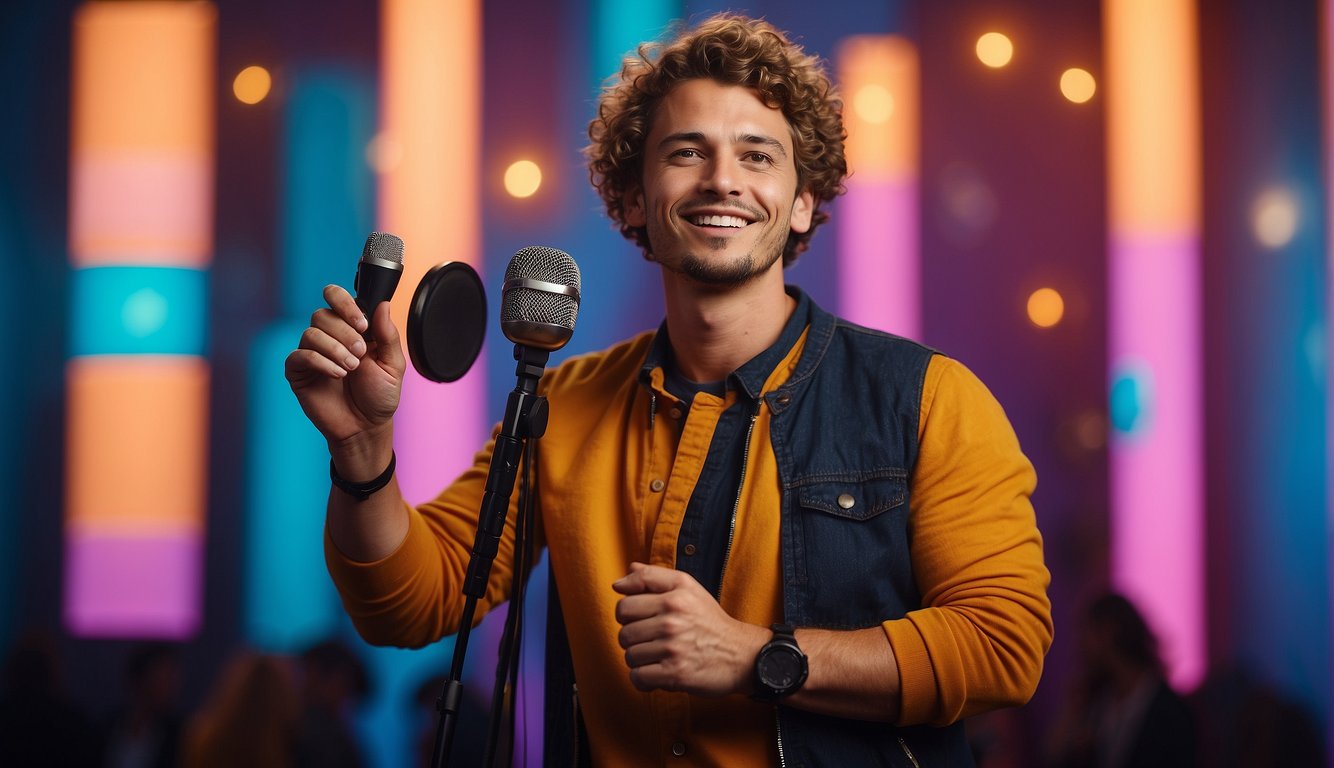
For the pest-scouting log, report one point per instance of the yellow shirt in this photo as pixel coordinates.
(977, 642)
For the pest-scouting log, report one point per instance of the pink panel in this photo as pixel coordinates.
(133, 583)
(439, 429)
(1157, 470)
(879, 274)
(141, 208)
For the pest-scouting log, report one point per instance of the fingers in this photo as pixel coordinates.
(345, 307)
(334, 338)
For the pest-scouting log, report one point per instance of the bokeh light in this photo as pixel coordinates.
(1078, 85)
(384, 153)
(1045, 307)
(873, 103)
(252, 85)
(1274, 217)
(523, 178)
(994, 49)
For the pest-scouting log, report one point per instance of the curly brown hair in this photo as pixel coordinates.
(733, 50)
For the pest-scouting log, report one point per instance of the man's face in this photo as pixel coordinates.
(719, 192)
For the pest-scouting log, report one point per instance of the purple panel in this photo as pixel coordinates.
(879, 269)
(140, 585)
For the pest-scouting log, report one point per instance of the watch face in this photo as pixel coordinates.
(780, 668)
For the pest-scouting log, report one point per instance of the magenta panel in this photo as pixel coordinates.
(879, 274)
(438, 431)
(133, 584)
(1157, 459)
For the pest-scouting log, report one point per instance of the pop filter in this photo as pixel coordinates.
(447, 321)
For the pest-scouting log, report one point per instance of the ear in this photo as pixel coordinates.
(634, 208)
(803, 209)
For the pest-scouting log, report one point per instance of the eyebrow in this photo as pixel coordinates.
(692, 137)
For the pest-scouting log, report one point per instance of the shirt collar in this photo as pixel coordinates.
(750, 377)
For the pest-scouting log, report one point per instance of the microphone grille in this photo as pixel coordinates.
(383, 246)
(524, 309)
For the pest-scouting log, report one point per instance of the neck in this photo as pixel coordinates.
(716, 330)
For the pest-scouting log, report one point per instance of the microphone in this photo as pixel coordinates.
(540, 298)
(539, 303)
(378, 273)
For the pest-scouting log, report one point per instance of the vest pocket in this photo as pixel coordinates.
(855, 498)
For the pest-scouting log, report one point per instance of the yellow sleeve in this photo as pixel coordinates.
(413, 596)
(979, 639)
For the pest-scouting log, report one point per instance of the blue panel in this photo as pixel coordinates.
(1269, 393)
(328, 187)
(138, 310)
(290, 601)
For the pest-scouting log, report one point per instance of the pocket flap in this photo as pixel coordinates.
(854, 499)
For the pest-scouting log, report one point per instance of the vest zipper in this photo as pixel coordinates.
(911, 757)
(778, 723)
(731, 528)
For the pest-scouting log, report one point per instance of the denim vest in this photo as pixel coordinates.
(844, 427)
(844, 432)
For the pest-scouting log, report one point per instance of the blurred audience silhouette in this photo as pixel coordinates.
(1246, 723)
(146, 732)
(250, 718)
(39, 725)
(1122, 713)
(333, 683)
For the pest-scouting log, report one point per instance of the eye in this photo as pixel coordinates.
(687, 153)
(758, 158)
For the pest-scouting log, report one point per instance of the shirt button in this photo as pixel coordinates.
(846, 501)
(679, 748)
(676, 412)
(657, 485)
(690, 549)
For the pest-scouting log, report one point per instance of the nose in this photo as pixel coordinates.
(721, 177)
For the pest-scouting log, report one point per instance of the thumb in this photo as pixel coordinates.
(388, 347)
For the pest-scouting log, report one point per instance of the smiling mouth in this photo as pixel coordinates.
(727, 222)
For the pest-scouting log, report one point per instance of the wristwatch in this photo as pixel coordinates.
(780, 666)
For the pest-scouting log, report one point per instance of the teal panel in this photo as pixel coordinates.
(328, 187)
(620, 27)
(138, 310)
(290, 602)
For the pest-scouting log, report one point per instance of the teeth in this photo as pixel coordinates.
(718, 221)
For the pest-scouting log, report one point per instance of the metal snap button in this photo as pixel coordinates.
(657, 485)
(846, 501)
(676, 412)
(679, 748)
(689, 549)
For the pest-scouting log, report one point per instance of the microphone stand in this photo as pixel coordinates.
(525, 418)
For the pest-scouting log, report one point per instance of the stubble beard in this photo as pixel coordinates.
(730, 274)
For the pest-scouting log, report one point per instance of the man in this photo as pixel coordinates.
(776, 536)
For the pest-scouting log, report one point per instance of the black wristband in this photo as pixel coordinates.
(363, 491)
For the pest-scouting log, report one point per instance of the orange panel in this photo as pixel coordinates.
(1150, 50)
(144, 76)
(137, 437)
(431, 113)
(878, 79)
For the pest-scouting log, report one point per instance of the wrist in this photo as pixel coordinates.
(363, 457)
